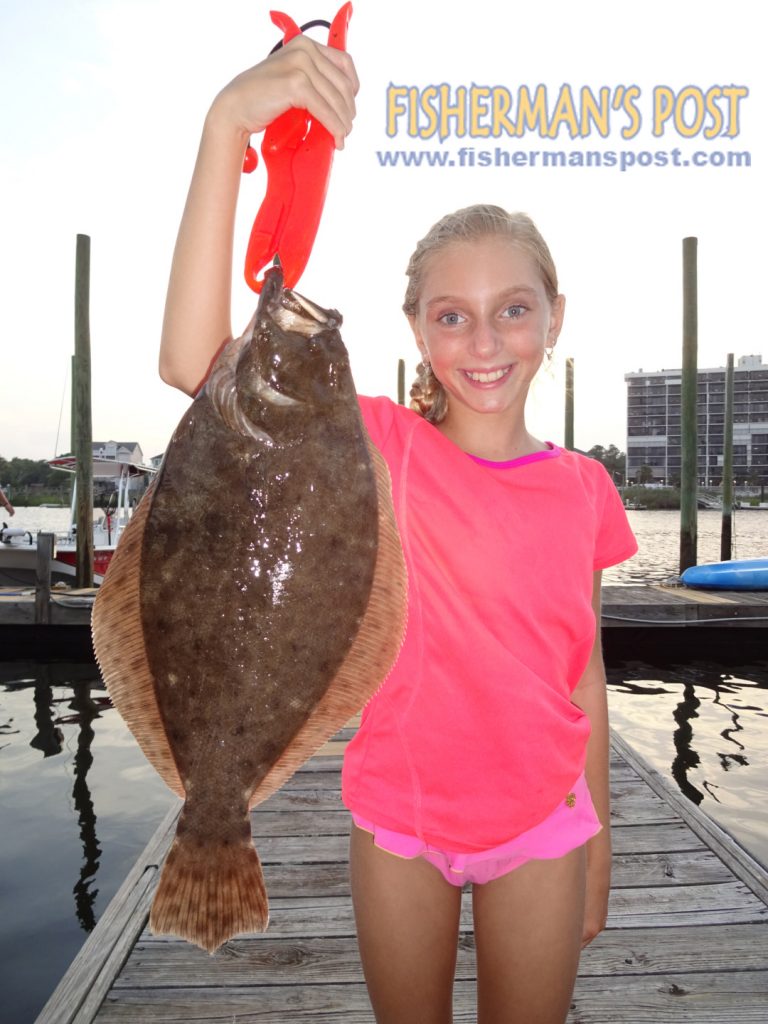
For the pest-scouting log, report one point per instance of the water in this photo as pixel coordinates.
(78, 802)
(704, 726)
(50, 520)
(658, 536)
(701, 724)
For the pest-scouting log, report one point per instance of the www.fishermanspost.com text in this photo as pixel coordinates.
(611, 159)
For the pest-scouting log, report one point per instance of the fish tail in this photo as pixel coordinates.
(209, 893)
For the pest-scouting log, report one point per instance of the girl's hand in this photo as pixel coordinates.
(303, 74)
(597, 892)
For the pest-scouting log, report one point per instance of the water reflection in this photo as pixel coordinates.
(687, 758)
(7, 729)
(78, 803)
(49, 738)
(86, 710)
(727, 760)
(81, 709)
(697, 720)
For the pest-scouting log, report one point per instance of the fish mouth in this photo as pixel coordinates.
(293, 312)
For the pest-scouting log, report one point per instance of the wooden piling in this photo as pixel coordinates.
(569, 403)
(43, 579)
(401, 382)
(72, 414)
(81, 404)
(726, 533)
(688, 421)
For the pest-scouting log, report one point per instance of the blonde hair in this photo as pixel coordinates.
(428, 396)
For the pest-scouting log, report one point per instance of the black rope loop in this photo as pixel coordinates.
(310, 24)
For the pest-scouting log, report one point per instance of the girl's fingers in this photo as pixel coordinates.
(325, 84)
(302, 74)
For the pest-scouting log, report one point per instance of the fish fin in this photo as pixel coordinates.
(208, 894)
(371, 655)
(221, 388)
(118, 642)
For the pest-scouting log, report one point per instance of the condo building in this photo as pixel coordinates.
(653, 424)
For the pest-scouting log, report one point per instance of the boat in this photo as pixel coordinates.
(18, 560)
(738, 574)
(122, 477)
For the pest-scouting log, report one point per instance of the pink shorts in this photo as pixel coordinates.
(571, 824)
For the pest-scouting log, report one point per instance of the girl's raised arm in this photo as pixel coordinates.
(197, 320)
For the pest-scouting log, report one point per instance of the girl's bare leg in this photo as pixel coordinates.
(407, 928)
(528, 930)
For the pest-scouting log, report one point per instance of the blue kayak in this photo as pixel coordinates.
(743, 574)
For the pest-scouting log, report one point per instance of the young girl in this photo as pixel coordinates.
(484, 757)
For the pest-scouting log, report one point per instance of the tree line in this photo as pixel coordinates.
(614, 461)
(21, 478)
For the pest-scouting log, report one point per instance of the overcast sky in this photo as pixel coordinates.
(102, 106)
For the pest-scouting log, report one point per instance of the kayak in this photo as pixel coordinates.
(740, 574)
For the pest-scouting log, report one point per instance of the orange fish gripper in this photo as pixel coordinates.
(298, 154)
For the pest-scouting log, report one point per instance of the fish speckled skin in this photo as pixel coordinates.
(269, 603)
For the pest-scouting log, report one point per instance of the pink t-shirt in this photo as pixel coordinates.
(473, 738)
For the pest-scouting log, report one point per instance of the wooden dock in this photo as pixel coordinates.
(60, 629)
(687, 936)
(650, 604)
(675, 606)
(686, 617)
(676, 620)
(65, 607)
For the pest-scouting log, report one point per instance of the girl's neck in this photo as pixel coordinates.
(489, 437)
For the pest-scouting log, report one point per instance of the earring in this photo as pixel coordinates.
(548, 351)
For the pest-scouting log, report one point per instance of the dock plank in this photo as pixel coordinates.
(677, 606)
(687, 935)
(640, 907)
(724, 998)
(619, 953)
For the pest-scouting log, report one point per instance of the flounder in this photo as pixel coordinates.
(255, 602)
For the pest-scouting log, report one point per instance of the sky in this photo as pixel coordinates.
(103, 103)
